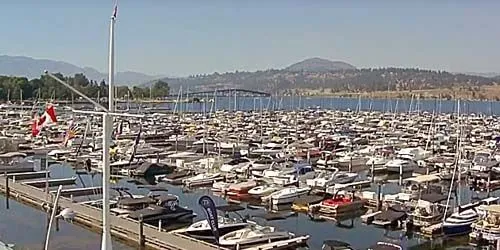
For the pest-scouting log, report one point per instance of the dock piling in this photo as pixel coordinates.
(159, 226)
(379, 193)
(401, 175)
(7, 191)
(372, 171)
(141, 233)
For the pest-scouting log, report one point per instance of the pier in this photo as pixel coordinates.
(125, 229)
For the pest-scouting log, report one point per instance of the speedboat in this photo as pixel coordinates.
(338, 205)
(263, 190)
(201, 229)
(326, 179)
(398, 165)
(235, 164)
(286, 195)
(253, 235)
(242, 188)
(202, 179)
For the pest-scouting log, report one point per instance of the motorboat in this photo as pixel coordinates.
(235, 164)
(263, 190)
(241, 188)
(338, 205)
(299, 173)
(201, 229)
(351, 160)
(253, 235)
(377, 160)
(336, 245)
(459, 223)
(398, 165)
(428, 211)
(286, 195)
(487, 228)
(326, 178)
(382, 245)
(202, 179)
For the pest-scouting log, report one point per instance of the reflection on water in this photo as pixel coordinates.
(25, 227)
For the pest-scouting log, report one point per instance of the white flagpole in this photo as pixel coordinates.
(106, 243)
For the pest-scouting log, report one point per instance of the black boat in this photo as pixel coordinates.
(336, 245)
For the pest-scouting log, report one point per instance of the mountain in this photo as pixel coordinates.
(32, 68)
(483, 74)
(319, 65)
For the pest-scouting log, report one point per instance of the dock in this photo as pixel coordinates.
(51, 182)
(29, 175)
(70, 192)
(91, 217)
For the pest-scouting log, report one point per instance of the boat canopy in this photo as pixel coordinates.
(423, 178)
(492, 208)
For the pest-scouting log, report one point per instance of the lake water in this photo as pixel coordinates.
(386, 105)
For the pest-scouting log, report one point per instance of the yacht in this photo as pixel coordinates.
(201, 229)
(326, 178)
(253, 235)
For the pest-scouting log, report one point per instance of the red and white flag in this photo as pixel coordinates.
(47, 118)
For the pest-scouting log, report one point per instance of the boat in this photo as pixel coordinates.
(325, 178)
(487, 229)
(235, 164)
(253, 235)
(166, 210)
(242, 188)
(382, 245)
(202, 179)
(286, 195)
(263, 190)
(428, 211)
(338, 205)
(459, 223)
(398, 165)
(336, 245)
(201, 229)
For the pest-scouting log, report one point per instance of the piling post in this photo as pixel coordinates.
(372, 171)
(159, 226)
(488, 184)
(141, 233)
(350, 164)
(379, 194)
(401, 175)
(7, 190)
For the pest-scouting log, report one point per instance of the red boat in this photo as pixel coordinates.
(338, 205)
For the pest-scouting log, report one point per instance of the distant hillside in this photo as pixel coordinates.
(359, 80)
(33, 68)
(319, 65)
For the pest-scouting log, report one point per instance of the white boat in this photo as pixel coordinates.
(326, 179)
(201, 229)
(235, 164)
(351, 159)
(287, 195)
(263, 190)
(398, 165)
(202, 179)
(253, 235)
(377, 161)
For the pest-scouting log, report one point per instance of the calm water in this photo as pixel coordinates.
(31, 222)
(294, 102)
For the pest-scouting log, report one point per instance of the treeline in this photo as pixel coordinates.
(359, 80)
(15, 88)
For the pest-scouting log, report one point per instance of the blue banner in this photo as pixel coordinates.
(209, 206)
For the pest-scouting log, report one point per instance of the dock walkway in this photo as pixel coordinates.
(89, 216)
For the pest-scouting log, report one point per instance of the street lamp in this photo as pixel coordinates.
(106, 143)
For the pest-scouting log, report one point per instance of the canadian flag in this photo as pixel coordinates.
(47, 118)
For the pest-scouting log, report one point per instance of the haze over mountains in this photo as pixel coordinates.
(33, 68)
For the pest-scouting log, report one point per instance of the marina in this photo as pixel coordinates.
(289, 170)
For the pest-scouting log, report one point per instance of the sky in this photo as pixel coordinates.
(180, 38)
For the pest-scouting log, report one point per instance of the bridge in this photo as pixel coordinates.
(224, 93)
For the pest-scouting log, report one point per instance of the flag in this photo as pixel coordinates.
(115, 11)
(209, 206)
(70, 133)
(48, 117)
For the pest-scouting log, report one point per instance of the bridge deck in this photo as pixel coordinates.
(92, 217)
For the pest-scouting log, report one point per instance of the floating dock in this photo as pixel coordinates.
(91, 217)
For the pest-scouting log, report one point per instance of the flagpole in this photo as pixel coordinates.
(106, 243)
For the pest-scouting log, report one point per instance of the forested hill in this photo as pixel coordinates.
(354, 80)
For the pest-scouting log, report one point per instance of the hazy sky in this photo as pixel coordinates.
(187, 36)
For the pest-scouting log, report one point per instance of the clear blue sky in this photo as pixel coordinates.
(199, 36)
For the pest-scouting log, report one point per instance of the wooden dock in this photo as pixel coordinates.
(91, 217)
